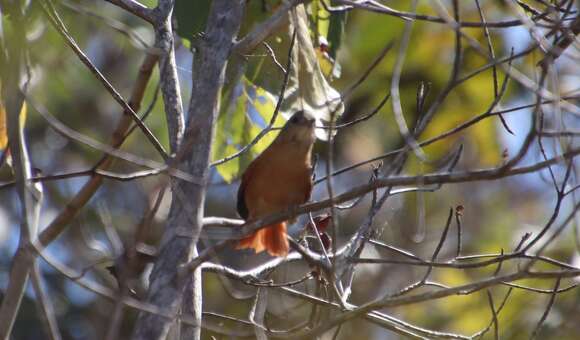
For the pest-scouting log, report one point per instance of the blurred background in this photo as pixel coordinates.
(496, 214)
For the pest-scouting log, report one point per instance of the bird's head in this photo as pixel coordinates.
(299, 129)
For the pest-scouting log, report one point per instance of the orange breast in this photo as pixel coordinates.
(276, 181)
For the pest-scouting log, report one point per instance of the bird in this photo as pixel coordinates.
(278, 179)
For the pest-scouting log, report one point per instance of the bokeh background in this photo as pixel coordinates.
(496, 213)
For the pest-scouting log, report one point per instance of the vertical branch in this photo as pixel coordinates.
(169, 83)
(166, 287)
(492, 56)
(395, 96)
(258, 312)
(494, 318)
(168, 74)
(23, 260)
(192, 304)
(458, 215)
(12, 60)
(547, 309)
(45, 310)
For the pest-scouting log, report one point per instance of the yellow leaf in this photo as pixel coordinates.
(236, 128)
(3, 123)
(3, 130)
(326, 63)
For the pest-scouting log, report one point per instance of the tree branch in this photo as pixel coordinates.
(59, 223)
(135, 8)
(44, 305)
(29, 196)
(248, 43)
(166, 287)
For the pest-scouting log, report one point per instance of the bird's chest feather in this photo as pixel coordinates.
(277, 181)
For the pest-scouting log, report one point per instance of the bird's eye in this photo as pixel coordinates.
(294, 119)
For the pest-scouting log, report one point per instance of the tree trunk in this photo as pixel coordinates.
(186, 213)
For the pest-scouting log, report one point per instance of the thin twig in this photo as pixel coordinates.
(135, 8)
(57, 23)
(547, 310)
(45, 309)
(270, 125)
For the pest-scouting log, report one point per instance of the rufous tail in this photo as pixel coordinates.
(271, 239)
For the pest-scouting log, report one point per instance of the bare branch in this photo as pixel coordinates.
(45, 309)
(409, 15)
(29, 196)
(57, 23)
(270, 125)
(136, 8)
(248, 43)
(547, 310)
(437, 294)
(168, 75)
(59, 223)
(194, 155)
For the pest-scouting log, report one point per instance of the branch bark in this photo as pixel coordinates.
(168, 75)
(57, 226)
(13, 55)
(166, 288)
(44, 305)
(135, 8)
(360, 190)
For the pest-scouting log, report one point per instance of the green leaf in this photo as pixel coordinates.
(256, 12)
(191, 17)
(319, 19)
(3, 129)
(336, 32)
(237, 127)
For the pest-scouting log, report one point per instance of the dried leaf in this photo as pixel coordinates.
(308, 89)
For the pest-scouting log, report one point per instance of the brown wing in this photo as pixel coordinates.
(242, 206)
(308, 191)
